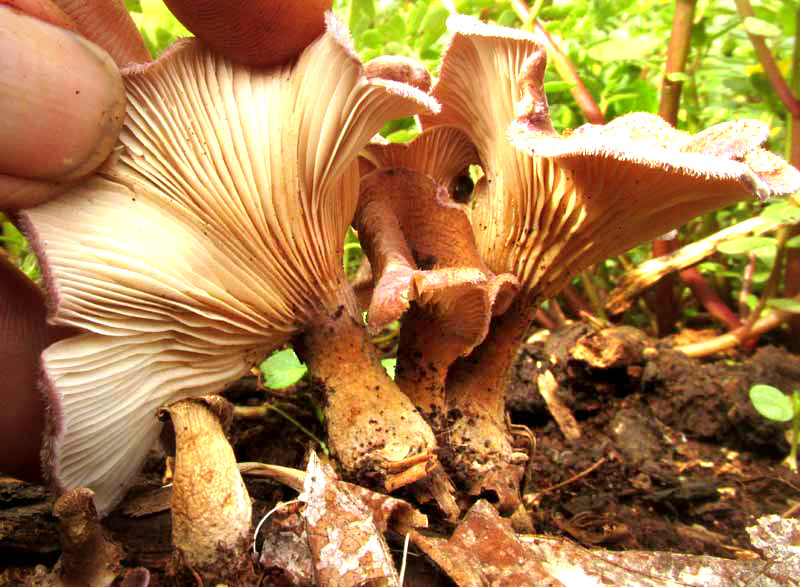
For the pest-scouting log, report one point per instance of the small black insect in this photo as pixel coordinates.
(462, 188)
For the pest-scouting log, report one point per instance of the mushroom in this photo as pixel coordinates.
(213, 237)
(551, 205)
(425, 262)
(88, 557)
(211, 510)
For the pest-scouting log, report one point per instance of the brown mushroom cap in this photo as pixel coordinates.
(213, 236)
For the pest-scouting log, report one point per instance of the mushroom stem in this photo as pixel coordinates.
(373, 428)
(479, 449)
(211, 510)
(88, 557)
(422, 365)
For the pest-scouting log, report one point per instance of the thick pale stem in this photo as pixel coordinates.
(374, 430)
(211, 510)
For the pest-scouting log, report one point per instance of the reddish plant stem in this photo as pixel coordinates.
(789, 97)
(747, 284)
(544, 320)
(568, 72)
(791, 283)
(575, 300)
(771, 70)
(564, 67)
(665, 304)
(710, 299)
(677, 53)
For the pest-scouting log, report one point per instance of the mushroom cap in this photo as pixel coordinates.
(213, 236)
(551, 205)
(256, 32)
(419, 240)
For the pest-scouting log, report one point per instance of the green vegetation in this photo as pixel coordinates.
(775, 405)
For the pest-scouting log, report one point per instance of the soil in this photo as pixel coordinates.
(671, 455)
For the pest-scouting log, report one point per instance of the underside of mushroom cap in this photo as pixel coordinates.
(213, 236)
(617, 185)
(560, 203)
(549, 206)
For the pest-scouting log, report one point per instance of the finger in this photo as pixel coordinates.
(104, 22)
(17, 193)
(257, 32)
(23, 335)
(62, 101)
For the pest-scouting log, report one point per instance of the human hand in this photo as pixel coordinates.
(62, 103)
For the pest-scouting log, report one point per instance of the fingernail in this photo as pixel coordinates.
(62, 100)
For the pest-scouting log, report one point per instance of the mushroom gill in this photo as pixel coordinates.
(426, 264)
(551, 205)
(213, 237)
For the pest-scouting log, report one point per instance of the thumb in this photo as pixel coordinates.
(62, 105)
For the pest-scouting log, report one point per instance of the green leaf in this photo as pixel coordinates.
(133, 5)
(389, 364)
(745, 244)
(678, 76)
(784, 304)
(158, 26)
(782, 212)
(404, 135)
(433, 26)
(557, 86)
(371, 38)
(793, 243)
(771, 403)
(360, 15)
(631, 49)
(761, 28)
(282, 369)
(416, 16)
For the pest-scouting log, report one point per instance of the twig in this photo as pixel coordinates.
(567, 423)
(405, 557)
(651, 271)
(747, 284)
(532, 498)
(735, 337)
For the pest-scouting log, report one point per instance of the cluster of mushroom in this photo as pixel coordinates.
(214, 236)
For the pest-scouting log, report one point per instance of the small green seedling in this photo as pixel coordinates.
(775, 405)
